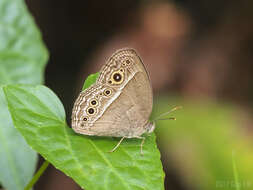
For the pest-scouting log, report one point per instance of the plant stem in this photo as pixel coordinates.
(36, 177)
(235, 172)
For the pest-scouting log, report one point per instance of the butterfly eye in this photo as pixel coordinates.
(90, 111)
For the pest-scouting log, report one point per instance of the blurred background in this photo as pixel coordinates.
(199, 56)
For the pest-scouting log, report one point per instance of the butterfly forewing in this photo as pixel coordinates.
(123, 97)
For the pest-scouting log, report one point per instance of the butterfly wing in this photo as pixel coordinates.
(124, 99)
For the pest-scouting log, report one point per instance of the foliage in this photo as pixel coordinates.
(90, 80)
(39, 115)
(200, 143)
(22, 60)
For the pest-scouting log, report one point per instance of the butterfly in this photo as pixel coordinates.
(119, 103)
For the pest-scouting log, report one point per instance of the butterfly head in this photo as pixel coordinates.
(150, 127)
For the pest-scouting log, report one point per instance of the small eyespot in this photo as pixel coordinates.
(107, 92)
(110, 81)
(91, 111)
(93, 102)
(128, 61)
(121, 70)
(85, 119)
(82, 125)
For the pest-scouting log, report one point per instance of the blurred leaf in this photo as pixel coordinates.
(21, 49)
(39, 115)
(90, 80)
(17, 159)
(22, 60)
(199, 144)
(15, 68)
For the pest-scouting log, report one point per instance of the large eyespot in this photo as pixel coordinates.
(117, 77)
(107, 92)
(91, 111)
(93, 102)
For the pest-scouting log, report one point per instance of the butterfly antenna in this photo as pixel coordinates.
(166, 113)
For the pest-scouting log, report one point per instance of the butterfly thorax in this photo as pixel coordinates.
(150, 127)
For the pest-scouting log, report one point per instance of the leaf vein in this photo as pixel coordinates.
(108, 163)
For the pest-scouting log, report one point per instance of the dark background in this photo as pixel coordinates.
(209, 47)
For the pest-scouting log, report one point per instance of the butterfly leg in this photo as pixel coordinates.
(142, 143)
(117, 145)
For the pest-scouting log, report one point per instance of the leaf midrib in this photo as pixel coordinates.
(108, 163)
(81, 169)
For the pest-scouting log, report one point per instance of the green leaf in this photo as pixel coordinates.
(17, 159)
(39, 115)
(22, 60)
(90, 80)
(15, 68)
(20, 41)
(201, 140)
